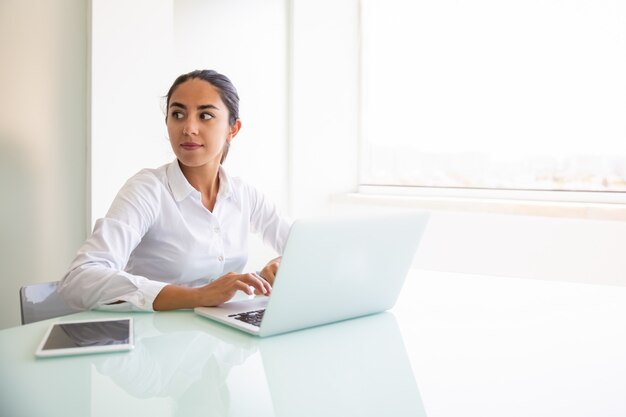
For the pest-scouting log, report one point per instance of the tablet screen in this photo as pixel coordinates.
(88, 336)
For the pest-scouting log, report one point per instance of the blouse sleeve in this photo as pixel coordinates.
(96, 278)
(268, 221)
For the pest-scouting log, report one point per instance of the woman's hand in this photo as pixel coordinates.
(174, 297)
(225, 287)
(270, 270)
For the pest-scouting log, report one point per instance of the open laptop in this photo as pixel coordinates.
(332, 269)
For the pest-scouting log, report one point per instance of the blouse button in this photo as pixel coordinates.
(220, 258)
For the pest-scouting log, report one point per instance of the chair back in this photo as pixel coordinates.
(42, 301)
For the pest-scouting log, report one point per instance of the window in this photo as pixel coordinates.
(492, 94)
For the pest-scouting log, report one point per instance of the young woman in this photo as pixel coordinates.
(177, 236)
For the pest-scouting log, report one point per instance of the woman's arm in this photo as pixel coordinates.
(267, 220)
(96, 277)
(270, 270)
(174, 297)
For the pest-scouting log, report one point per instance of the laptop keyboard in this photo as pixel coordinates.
(251, 317)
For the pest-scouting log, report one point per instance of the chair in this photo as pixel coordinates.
(42, 301)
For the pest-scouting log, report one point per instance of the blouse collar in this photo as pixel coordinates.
(181, 188)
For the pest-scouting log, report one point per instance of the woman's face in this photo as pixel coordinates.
(197, 123)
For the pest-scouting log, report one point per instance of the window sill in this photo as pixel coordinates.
(608, 207)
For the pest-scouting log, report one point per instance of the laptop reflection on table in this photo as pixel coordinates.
(356, 367)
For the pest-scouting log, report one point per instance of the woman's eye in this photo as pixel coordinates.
(177, 115)
(206, 116)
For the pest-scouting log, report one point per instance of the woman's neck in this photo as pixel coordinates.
(206, 180)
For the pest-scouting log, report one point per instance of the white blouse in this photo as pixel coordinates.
(158, 232)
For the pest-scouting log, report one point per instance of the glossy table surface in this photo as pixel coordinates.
(454, 345)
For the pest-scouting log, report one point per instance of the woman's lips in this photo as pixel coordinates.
(190, 146)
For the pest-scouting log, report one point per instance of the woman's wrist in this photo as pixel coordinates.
(174, 297)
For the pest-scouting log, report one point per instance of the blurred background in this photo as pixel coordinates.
(82, 110)
(345, 104)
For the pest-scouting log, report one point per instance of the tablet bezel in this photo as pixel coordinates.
(40, 352)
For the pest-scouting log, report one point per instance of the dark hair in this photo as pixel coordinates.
(225, 88)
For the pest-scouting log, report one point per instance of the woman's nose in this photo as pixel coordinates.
(190, 128)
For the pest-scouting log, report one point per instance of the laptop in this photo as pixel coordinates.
(333, 269)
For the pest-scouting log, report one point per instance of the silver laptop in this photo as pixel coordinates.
(332, 269)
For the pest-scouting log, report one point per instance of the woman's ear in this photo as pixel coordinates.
(234, 129)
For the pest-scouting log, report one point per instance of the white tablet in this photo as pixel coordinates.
(87, 336)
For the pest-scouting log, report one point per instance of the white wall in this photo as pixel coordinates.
(131, 59)
(578, 250)
(43, 129)
(535, 247)
(324, 103)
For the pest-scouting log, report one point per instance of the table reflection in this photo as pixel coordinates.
(353, 368)
(176, 360)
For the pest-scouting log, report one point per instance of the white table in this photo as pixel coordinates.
(454, 345)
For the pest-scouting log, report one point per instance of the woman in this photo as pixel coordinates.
(176, 236)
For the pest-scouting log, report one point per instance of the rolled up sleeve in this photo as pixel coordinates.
(97, 278)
